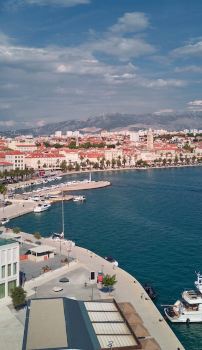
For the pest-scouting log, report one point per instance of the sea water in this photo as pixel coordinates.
(149, 220)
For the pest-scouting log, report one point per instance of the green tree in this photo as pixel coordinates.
(124, 162)
(109, 281)
(108, 162)
(63, 166)
(77, 166)
(70, 167)
(113, 162)
(37, 235)
(16, 230)
(18, 296)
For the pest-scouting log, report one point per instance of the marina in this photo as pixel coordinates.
(131, 212)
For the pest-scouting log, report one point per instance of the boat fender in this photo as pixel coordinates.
(187, 321)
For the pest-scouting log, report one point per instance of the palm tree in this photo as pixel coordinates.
(109, 281)
(3, 191)
(108, 162)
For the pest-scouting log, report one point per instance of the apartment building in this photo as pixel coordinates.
(9, 267)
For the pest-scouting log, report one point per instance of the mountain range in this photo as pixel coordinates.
(168, 121)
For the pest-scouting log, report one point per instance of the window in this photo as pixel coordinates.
(3, 257)
(14, 268)
(15, 255)
(2, 290)
(3, 271)
(9, 269)
(11, 286)
(9, 255)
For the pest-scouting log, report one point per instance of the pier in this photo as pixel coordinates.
(152, 326)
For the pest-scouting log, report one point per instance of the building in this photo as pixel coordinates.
(17, 158)
(62, 323)
(39, 253)
(9, 267)
(46, 160)
(150, 140)
(5, 166)
(58, 133)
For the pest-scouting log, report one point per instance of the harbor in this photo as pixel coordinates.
(103, 221)
(152, 330)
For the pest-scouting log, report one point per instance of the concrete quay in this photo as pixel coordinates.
(127, 289)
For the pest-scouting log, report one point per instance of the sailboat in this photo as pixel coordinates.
(59, 236)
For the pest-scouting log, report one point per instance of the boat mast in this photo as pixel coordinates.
(63, 224)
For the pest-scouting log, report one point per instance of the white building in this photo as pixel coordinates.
(17, 158)
(58, 133)
(9, 267)
(134, 136)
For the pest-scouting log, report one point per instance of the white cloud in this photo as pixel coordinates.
(164, 111)
(195, 103)
(130, 23)
(7, 123)
(122, 48)
(191, 69)
(40, 123)
(161, 83)
(61, 3)
(192, 49)
(195, 106)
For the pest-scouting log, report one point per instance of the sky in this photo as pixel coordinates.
(73, 59)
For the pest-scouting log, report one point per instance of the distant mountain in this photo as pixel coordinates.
(169, 121)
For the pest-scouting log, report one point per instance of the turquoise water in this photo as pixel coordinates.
(150, 221)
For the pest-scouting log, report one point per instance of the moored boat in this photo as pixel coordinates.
(189, 308)
(79, 198)
(42, 207)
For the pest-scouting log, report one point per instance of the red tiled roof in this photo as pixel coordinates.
(6, 163)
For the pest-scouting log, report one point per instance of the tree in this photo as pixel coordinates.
(77, 166)
(16, 230)
(113, 162)
(37, 235)
(18, 296)
(70, 167)
(63, 166)
(124, 162)
(118, 163)
(109, 281)
(108, 162)
(3, 191)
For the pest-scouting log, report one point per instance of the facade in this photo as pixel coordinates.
(5, 166)
(17, 158)
(150, 140)
(44, 160)
(9, 267)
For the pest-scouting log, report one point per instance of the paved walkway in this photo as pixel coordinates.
(11, 330)
(127, 289)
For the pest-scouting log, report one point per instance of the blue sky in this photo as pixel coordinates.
(71, 59)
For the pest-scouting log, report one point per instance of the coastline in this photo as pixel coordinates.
(128, 289)
(107, 170)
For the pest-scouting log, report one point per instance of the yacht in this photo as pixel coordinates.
(42, 207)
(4, 221)
(79, 198)
(189, 308)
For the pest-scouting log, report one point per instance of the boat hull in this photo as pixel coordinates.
(191, 317)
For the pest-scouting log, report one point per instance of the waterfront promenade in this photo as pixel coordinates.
(127, 289)
(20, 206)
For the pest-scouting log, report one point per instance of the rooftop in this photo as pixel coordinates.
(6, 241)
(55, 323)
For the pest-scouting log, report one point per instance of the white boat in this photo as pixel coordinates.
(189, 308)
(42, 207)
(4, 221)
(79, 198)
